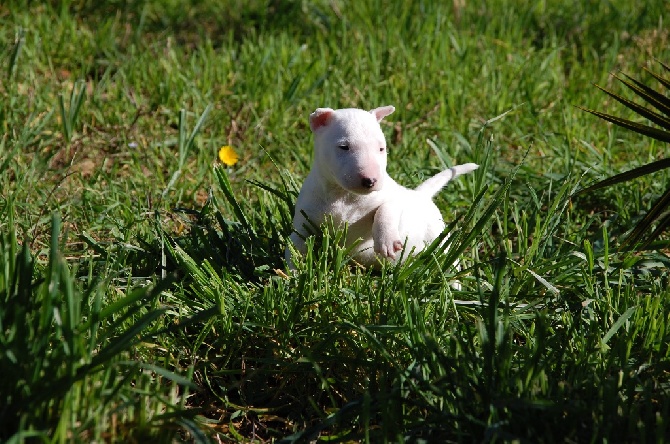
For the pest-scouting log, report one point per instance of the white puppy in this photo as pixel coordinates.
(348, 181)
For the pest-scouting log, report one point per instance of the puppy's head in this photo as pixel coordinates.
(350, 148)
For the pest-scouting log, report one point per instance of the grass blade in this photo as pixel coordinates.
(224, 184)
(659, 207)
(177, 379)
(191, 138)
(19, 41)
(649, 95)
(662, 80)
(658, 119)
(650, 131)
(617, 325)
(627, 175)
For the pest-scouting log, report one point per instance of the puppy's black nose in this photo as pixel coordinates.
(368, 182)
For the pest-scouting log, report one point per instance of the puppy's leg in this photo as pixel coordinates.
(456, 285)
(385, 230)
(297, 237)
(299, 244)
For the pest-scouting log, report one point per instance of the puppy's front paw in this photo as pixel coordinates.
(388, 248)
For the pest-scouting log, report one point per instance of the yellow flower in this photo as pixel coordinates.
(227, 155)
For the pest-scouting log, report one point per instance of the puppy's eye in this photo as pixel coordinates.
(343, 147)
(382, 149)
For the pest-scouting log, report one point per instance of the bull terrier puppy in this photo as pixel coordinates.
(348, 181)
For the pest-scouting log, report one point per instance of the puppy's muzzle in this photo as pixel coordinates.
(368, 182)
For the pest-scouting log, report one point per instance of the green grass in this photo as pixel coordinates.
(141, 291)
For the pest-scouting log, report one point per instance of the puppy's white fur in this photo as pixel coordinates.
(348, 181)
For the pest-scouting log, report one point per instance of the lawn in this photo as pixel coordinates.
(143, 291)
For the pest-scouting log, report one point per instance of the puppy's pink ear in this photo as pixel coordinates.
(382, 112)
(320, 118)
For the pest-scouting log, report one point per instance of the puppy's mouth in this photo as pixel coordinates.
(364, 189)
(360, 184)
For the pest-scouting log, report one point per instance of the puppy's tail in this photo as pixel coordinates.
(435, 183)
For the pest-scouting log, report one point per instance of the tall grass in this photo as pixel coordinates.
(143, 290)
(67, 372)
